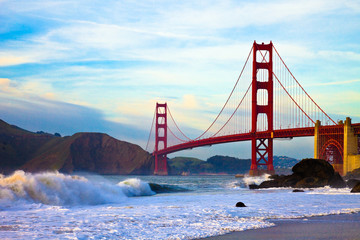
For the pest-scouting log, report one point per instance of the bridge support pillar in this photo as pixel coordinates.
(317, 139)
(351, 149)
(262, 148)
(160, 139)
(262, 156)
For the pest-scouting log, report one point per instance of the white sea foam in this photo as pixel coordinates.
(187, 215)
(255, 179)
(55, 188)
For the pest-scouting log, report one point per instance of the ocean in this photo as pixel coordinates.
(89, 206)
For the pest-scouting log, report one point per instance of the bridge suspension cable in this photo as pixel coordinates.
(151, 129)
(177, 127)
(234, 111)
(303, 88)
(232, 91)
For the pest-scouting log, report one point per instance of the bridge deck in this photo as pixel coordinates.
(282, 133)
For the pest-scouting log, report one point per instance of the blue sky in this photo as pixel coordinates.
(70, 66)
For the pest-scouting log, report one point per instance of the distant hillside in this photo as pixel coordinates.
(284, 162)
(223, 164)
(96, 152)
(215, 164)
(179, 165)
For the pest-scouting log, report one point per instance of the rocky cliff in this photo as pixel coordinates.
(95, 152)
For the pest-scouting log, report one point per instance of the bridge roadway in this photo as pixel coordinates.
(281, 133)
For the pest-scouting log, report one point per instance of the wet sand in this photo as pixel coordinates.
(345, 227)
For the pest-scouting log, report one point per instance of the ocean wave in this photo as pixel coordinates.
(256, 179)
(134, 187)
(166, 188)
(54, 188)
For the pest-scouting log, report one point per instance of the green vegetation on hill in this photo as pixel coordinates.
(223, 164)
(215, 164)
(178, 165)
(230, 164)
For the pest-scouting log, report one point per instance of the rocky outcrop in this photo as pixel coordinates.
(356, 188)
(95, 152)
(354, 174)
(352, 182)
(309, 173)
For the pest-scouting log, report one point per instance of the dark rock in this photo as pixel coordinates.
(291, 180)
(337, 181)
(354, 174)
(270, 184)
(280, 181)
(314, 168)
(311, 182)
(352, 182)
(308, 173)
(275, 176)
(253, 186)
(356, 188)
(240, 204)
(298, 190)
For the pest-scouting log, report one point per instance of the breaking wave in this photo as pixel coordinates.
(134, 187)
(54, 188)
(255, 180)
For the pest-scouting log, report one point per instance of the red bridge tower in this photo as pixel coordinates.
(262, 148)
(160, 139)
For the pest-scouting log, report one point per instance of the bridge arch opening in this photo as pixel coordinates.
(262, 122)
(262, 97)
(161, 132)
(262, 56)
(161, 120)
(333, 153)
(262, 75)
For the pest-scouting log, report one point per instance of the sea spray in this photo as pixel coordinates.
(54, 188)
(134, 187)
(255, 179)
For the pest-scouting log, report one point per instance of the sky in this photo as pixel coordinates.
(100, 66)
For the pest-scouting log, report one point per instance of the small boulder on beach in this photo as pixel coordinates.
(298, 190)
(240, 204)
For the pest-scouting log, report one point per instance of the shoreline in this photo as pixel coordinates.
(342, 226)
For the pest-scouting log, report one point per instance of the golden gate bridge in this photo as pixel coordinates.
(266, 103)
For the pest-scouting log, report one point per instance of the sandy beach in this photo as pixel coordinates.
(345, 227)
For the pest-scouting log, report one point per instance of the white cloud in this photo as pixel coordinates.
(8, 60)
(334, 83)
(340, 55)
(82, 38)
